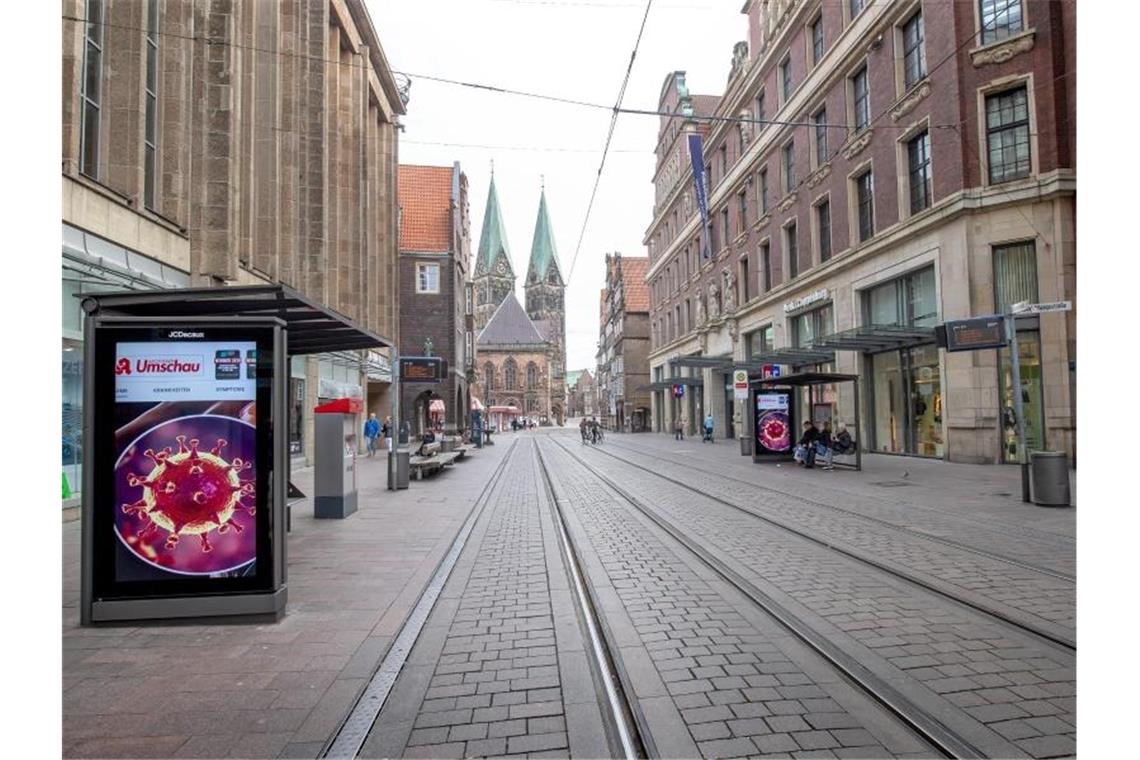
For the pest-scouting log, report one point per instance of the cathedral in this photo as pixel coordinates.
(520, 353)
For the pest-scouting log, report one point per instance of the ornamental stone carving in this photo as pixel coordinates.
(714, 300)
(729, 291)
(700, 307)
(1002, 52)
(745, 128)
(910, 100)
(819, 175)
(788, 201)
(856, 145)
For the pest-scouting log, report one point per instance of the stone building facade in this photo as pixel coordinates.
(581, 394)
(898, 165)
(435, 253)
(233, 143)
(623, 345)
(514, 366)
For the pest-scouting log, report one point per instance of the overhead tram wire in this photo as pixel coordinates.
(609, 137)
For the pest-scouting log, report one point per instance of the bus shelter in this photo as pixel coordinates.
(777, 416)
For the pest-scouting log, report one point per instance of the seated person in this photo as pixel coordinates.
(844, 443)
(824, 446)
(805, 448)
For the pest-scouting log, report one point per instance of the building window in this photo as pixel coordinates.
(759, 342)
(688, 314)
(427, 278)
(908, 301)
(790, 244)
(766, 266)
(811, 325)
(865, 200)
(763, 180)
(817, 41)
(819, 120)
(742, 204)
(488, 377)
(713, 243)
(918, 168)
(823, 226)
(745, 280)
(786, 78)
(723, 164)
(92, 90)
(509, 378)
(150, 139)
(531, 376)
(861, 97)
(789, 167)
(760, 115)
(914, 51)
(1015, 274)
(724, 231)
(1000, 19)
(1007, 135)
(855, 7)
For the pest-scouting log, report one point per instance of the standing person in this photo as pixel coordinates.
(386, 431)
(582, 429)
(371, 432)
(824, 445)
(805, 448)
(678, 430)
(708, 428)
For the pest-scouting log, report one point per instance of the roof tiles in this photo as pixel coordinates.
(425, 208)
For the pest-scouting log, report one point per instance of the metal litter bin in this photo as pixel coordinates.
(1050, 478)
(403, 457)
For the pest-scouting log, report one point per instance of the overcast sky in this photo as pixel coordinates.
(576, 49)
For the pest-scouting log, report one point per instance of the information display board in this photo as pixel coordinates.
(183, 457)
(773, 422)
(972, 334)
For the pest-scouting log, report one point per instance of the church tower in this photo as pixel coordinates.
(546, 302)
(494, 277)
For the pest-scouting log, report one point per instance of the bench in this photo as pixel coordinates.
(427, 465)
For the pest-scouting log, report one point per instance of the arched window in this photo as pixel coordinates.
(531, 376)
(488, 377)
(509, 374)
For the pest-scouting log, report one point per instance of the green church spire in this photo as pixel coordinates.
(543, 252)
(493, 238)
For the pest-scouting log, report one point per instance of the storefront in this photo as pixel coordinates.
(808, 320)
(92, 264)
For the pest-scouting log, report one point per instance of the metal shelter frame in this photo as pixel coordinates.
(810, 380)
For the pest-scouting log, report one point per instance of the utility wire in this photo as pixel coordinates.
(609, 136)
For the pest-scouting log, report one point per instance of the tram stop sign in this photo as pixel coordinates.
(740, 383)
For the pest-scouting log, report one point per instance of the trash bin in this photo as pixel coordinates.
(403, 457)
(745, 447)
(1050, 478)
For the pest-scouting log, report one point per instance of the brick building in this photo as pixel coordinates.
(435, 253)
(196, 154)
(899, 165)
(581, 394)
(623, 345)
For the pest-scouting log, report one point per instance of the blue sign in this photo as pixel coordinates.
(678, 391)
(697, 156)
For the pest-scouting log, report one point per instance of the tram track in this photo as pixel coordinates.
(922, 722)
(862, 516)
(1052, 638)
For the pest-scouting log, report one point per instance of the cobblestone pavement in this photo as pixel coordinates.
(1041, 601)
(968, 668)
(500, 667)
(273, 690)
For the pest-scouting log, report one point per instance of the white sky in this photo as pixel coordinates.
(570, 48)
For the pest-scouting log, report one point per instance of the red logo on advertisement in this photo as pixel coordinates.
(123, 367)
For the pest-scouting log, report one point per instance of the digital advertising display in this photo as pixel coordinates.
(183, 460)
(773, 423)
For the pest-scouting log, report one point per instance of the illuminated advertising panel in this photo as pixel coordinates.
(773, 423)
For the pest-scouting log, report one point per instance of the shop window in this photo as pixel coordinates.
(1032, 397)
(810, 325)
(908, 301)
(1000, 19)
(1015, 274)
(1007, 135)
(759, 342)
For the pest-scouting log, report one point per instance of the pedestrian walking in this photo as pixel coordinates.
(386, 431)
(582, 427)
(708, 429)
(372, 432)
(678, 430)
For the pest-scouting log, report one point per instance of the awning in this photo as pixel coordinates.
(873, 338)
(805, 378)
(312, 328)
(793, 357)
(702, 361)
(667, 383)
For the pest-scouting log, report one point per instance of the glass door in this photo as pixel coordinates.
(889, 403)
(925, 437)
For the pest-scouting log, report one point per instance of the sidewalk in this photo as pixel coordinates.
(274, 690)
(988, 492)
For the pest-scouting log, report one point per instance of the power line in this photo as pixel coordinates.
(609, 136)
(525, 148)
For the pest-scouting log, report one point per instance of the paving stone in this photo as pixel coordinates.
(535, 709)
(727, 748)
(506, 728)
(486, 748)
(707, 731)
(775, 744)
(428, 735)
(748, 727)
(536, 742)
(548, 725)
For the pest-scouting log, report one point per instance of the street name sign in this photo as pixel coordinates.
(1041, 308)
